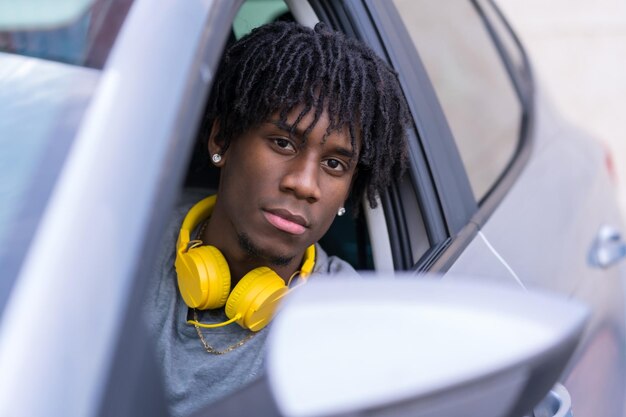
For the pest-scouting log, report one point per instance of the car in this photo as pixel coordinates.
(101, 102)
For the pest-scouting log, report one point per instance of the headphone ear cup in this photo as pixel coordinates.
(203, 277)
(255, 298)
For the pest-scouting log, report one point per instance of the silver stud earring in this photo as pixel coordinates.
(341, 211)
(216, 158)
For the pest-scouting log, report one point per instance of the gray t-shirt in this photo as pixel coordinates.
(193, 377)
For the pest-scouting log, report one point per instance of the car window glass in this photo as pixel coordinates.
(27, 14)
(471, 82)
(41, 104)
(85, 40)
(254, 13)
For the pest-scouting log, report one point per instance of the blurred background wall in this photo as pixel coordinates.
(578, 52)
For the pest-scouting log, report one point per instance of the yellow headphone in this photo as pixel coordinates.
(204, 278)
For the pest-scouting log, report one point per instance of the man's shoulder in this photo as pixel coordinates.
(331, 265)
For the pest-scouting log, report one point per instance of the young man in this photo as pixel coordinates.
(297, 120)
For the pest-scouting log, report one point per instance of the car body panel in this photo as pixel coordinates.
(544, 229)
(554, 232)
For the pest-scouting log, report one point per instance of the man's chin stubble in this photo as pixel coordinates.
(251, 249)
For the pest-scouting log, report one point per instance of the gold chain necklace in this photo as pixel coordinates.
(210, 349)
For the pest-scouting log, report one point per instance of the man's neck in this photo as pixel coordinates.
(240, 261)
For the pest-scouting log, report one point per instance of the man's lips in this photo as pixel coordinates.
(286, 221)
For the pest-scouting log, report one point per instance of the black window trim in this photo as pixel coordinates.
(523, 82)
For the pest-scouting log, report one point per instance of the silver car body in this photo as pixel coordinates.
(542, 235)
(99, 217)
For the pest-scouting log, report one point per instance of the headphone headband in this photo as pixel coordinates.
(204, 278)
(197, 214)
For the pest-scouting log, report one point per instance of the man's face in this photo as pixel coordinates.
(281, 194)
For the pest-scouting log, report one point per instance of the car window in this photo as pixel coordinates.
(471, 83)
(85, 40)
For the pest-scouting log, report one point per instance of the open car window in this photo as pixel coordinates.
(348, 237)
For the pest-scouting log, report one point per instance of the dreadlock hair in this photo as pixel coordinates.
(282, 65)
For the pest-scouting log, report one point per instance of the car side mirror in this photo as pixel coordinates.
(413, 347)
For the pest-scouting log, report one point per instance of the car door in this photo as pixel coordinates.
(505, 189)
(111, 144)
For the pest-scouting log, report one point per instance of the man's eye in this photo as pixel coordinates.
(335, 165)
(283, 143)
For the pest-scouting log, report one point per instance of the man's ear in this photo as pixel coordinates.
(215, 146)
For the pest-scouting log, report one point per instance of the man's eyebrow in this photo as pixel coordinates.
(288, 128)
(344, 152)
(340, 150)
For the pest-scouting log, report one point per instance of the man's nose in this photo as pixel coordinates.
(302, 178)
